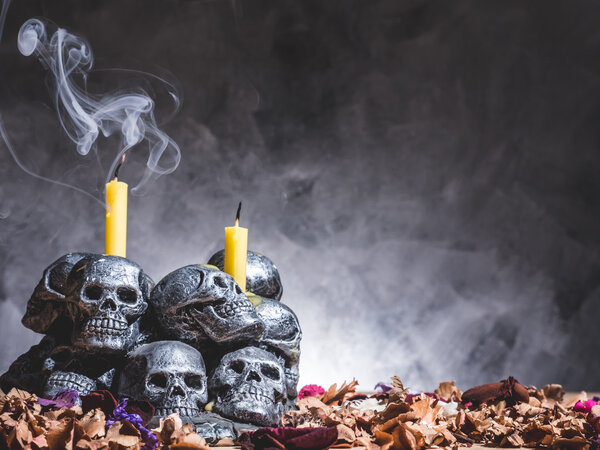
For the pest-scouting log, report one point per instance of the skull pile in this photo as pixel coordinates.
(194, 342)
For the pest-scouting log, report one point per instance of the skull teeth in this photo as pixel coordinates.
(232, 308)
(183, 411)
(251, 393)
(104, 325)
(62, 380)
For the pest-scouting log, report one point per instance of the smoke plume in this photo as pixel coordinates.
(84, 115)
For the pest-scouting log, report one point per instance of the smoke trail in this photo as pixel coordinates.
(83, 115)
(5, 5)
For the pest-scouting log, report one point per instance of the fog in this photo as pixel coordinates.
(423, 173)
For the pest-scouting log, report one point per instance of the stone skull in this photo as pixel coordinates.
(201, 305)
(282, 336)
(106, 296)
(68, 367)
(248, 385)
(262, 276)
(169, 374)
(47, 304)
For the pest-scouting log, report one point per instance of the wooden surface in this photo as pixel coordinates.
(568, 397)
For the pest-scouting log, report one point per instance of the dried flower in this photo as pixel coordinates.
(66, 398)
(585, 407)
(120, 413)
(311, 390)
(383, 388)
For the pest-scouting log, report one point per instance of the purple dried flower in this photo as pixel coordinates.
(383, 388)
(148, 438)
(66, 398)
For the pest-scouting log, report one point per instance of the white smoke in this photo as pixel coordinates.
(84, 115)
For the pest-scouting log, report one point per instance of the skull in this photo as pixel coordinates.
(169, 374)
(249, 385)
(47, 303)
(71, 368)
(107, 295)
(201, 305)
(262, 276)
(282, 336)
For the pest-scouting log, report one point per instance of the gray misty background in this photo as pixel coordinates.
(424, 174)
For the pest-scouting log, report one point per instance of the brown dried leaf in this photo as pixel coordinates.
(391, 410)
(448, 391)
(345, 434)
(123, 436)
(427, 409)
(398, 392)
(334, 395)
(554, 392)
(385, 440)
(97, 444)
(94, 423)
(404, 439)
(60, 436)
(188, 446)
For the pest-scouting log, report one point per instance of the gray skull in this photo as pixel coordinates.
(48, 301)
(248, 385)
(169, 374)
(201, 305)
(69, 368)
(107, 295)
(282, 336)
(262, 276)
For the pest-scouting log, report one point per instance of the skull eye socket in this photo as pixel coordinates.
(238, 289)
(93, 292)
(158, 380)
(219, 281)
(270, 372)
(237, 366)
(194, 381)
(127, 295)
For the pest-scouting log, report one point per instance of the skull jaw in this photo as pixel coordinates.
(188, 407)
(250, 410)
(104, 334)
(57, 381)
(102, 343)
(237, 328)
(185, 409)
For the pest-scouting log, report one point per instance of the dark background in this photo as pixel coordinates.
(424, 174)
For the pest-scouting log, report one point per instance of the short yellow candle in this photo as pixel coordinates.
(116, 218)
(236, 251)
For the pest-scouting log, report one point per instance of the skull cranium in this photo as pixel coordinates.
(282, 336)
(262, 276)
(48, 302)
(169, 374)
(201, 305)
(107, 295)
(248, 385)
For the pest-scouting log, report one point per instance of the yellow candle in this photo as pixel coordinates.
(116, 218)
(236, 251)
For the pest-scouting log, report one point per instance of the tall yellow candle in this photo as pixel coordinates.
(116, 218)
(236, 251)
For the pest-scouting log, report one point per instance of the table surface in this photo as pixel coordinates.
(568, 396)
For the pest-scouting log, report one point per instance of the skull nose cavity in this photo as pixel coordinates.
(176, 391)
(253, 375)
(107, 304)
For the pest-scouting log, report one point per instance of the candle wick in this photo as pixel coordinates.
(119, 166)
(237, 215)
